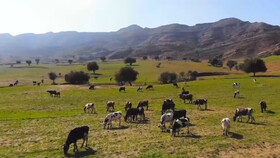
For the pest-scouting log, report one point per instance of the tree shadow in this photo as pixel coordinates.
(270, 112)
(235, 135)
(267, 76)
(98, 74)
(119, 128)
(89, 151)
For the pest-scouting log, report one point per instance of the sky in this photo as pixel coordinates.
(41, 16)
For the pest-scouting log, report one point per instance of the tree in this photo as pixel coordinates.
(126, 74)
(52, 76)
(92, 66)
(76, 77)
(18, 62)
(130, 61)
(231, 64)
(167, 77)
(217, 62)
(144, 57)
(28, 62)
(56, 61)
(70, 61)
(37, 61)
(192, 75)
(103, 58)
(253, 65)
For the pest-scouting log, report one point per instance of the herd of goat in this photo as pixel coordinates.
(177, 118)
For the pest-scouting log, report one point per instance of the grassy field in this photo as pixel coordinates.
(33, 124)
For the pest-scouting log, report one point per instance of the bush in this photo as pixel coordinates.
(52, 76)
(167, 77)
(75, 77)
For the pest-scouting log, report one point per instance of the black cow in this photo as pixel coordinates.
(52, 92)
(175, 85)
(143, 103)
(110, 104)
(57, 94)
(186, 97)
(128, 106)
(200, 102)
(34, 83)
(91, 87)
(167, 104)
(179, 114)
(150, 87)
(122, 88)
(243, 111)
(133, 113)
(11, 85)
(139, 89)
(74, 135)
(263, 106)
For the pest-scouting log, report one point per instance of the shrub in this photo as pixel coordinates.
(77, 77)
(167, 77)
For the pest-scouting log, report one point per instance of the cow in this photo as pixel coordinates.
(74, 135)
(52, 92)
(57, 94)
(112, 117)
(122, 88)
(143, 103)
(139, 89)
(225, 126)
(11, 85)
(167, 104)
(175, 85)
(89, 106)
(128, 106)
(38, 83)
(150, 87)
(243, 111)
(236, 84)
(16, 83)
(179, 114)
(263, 106)
(134, 112)
(110, 104)
(111, 78)
(236, 93)
(200, 102)
(34, 83)
(180, 123)
(254, 80)
(42, 81)
(91, 87)
(166, 117)
(186, 97)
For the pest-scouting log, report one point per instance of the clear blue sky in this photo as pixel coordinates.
(40, 16)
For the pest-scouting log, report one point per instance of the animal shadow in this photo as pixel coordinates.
(240, 97)
(190, 135)
(270, 112)
(89, 151)
(235, 135)
(207, 110)
(146, 121)
(119, 128)
(258, 123)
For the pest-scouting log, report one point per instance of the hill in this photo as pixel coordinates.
(230, 37)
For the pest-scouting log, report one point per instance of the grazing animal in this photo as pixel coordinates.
(179, 114)
(150, 87)
(143, 103)
(200, 102)
(51, 92)
(186, 97)
(140, 89)
(185, 92)
(166, 117)
(42, 81)
(111, 78)
(180, 123)
(122, 88)
(112, 117)
(11, 85)
(236, 84)
(167, 104)
(243, 111)
(89, 106)
(74, 135)
(110, 104)
(133, 113)
(263, 106)
(91, 87)
(16, 83)
(236, 93)
(225, 126)
(255, 80)
(175, 85)
(57, 94)
(128, 106)
(39, 83)
(34, 83)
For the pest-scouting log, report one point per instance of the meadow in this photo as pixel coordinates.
(33, 124)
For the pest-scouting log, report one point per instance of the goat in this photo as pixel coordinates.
(74, 135)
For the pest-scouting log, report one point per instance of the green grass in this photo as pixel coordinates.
(33, 124)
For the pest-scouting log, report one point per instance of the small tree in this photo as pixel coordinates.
(182, 76)
(56, 61)
(217, 62)
(126, 74)
(144, 57)
(253, 65)
(103, 58)
(18, 62)
(28, 62)
(70, 61)
(75, 77)
(192, 75)
(92, 66)
(37, 61)
(52, 76)
(167, 77)
(231, 64)
(130, 61)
